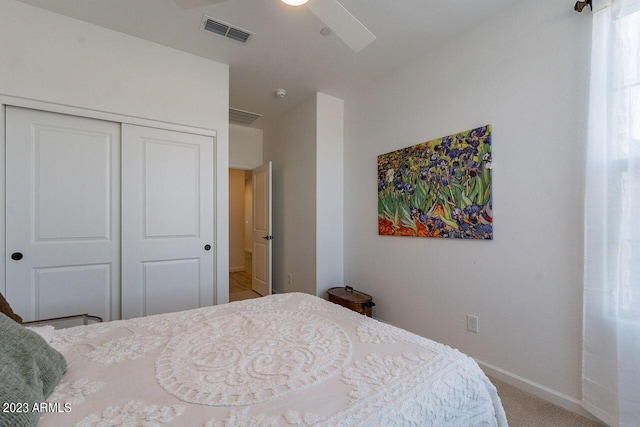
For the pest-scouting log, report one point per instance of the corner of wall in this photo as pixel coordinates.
(290, 143)
(560, 399)
(329, 193)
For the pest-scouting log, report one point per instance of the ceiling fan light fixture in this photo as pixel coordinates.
(295, 2)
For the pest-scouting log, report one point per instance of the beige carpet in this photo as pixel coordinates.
(526, 410)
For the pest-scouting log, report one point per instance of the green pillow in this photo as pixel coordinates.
(29, 370)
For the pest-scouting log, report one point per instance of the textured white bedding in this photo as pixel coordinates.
(289, 359)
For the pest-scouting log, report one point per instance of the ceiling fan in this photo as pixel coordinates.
(331, 12)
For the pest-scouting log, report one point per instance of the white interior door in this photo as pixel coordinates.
(262, 238)
(62, 215)
(167, 221)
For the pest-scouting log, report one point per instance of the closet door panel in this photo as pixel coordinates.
(89, 284)
(161, 294)
(167, 220)
(72, 185)
(171, 179)
(63, 214)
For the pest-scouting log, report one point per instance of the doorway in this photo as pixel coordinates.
(240, 235)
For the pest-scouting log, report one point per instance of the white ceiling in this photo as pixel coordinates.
(287, 50)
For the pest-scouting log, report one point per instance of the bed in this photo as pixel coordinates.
(282, 360)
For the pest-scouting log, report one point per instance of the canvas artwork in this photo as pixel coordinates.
(440, 188)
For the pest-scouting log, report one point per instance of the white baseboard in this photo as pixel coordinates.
(560, 399)
(236, 269)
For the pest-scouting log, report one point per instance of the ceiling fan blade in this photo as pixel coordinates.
(192, 4)
(343, 23)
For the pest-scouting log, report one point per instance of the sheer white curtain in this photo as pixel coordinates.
(611, 332)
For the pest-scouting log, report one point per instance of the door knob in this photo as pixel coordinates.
(16, 256)
(207, 247)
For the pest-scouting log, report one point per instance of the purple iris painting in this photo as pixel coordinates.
(440, 188)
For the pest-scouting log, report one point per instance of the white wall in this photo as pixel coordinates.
(245, 147)
(50, 57)
(290, 143)
(525, 71)
(330, 193)
(56, 59)
(307, 150)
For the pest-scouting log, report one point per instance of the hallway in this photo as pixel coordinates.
(240, 286)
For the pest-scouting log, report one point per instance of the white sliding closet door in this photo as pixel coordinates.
(167, 221)
(62, 215)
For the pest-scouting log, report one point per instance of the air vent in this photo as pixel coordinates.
(224, 29)
(241, 117)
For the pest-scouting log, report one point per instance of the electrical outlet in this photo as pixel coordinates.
(472, 323)
(289, 279)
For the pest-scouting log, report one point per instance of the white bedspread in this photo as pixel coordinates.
(290, 359)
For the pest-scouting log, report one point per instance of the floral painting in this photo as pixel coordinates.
(440, 188)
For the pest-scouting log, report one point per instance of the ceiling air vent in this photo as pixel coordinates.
(223, 29)
(241, 117)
